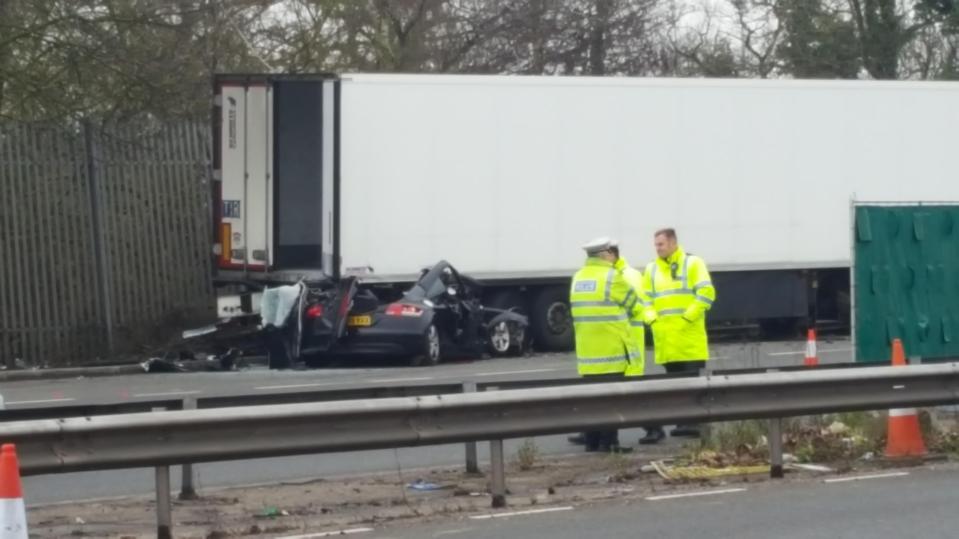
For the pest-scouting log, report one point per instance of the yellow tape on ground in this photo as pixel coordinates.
(704, 472)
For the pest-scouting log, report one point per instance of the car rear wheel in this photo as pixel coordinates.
(431, 353)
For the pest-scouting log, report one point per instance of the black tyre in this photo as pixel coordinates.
(432, 351)
(551, 320)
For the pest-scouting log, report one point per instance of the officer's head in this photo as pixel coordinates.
(609, 255)
(603, 248)
(665, 242)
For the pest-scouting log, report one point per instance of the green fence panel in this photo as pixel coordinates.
(906, 270)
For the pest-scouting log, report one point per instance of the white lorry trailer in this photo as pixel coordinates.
(323, 176)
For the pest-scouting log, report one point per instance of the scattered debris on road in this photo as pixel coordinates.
(228, 361)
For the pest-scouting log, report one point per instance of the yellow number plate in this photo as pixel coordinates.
(359, 321)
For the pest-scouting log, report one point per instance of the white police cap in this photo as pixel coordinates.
(599, 245)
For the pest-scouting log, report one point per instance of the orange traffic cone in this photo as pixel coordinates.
(811, 357)
(903, 437)
(13, 514)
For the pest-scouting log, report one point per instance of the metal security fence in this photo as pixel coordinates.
(104, 238)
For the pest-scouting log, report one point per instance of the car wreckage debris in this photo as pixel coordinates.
(229, 361)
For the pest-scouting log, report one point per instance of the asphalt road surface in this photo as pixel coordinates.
(89, 485)
(42, 393)
(915, 503)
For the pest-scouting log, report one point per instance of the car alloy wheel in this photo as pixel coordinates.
(500, 338)
(432, 345)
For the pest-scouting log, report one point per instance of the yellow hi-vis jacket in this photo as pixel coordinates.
(602, 303)
(681, 292)
(635, 279)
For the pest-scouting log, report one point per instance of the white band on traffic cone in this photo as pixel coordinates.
(13, 519)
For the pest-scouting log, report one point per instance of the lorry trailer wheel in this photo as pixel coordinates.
(551, 320)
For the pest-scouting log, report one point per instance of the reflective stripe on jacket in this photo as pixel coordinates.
(602, 303)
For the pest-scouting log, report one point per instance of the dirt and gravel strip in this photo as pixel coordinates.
(381, 500)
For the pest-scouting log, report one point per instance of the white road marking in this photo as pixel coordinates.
(387, 380)
(327, 534)
(44, 401)
(803, 352)
(518, 513)
(862, 477)
(167, 394)
(294, 386)
(694, 494)
(452, 532)
(499, 373)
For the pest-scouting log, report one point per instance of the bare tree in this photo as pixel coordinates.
(125, 58)
(700, 41)
(392, 35)
(311, 37)
(584, 37)
(759, 32)
(465, 34)
(121, 58)
(934, 54)
(884, 28)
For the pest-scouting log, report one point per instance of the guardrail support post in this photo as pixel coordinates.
(472, 461)
(164, 511)
(706, 429)
(187, 490)
(497, 473)
(776, 448)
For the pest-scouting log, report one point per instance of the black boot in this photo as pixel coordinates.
(688, 431)
(654, 435)
(609, 443)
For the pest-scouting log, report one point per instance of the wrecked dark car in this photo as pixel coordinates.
(440, 316)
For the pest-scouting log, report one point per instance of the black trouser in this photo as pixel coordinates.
(684, 366)
(676, 367)
(596, 439)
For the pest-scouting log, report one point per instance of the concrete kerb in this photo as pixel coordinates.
(73, 372)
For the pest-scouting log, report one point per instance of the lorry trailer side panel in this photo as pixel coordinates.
(512, 174)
